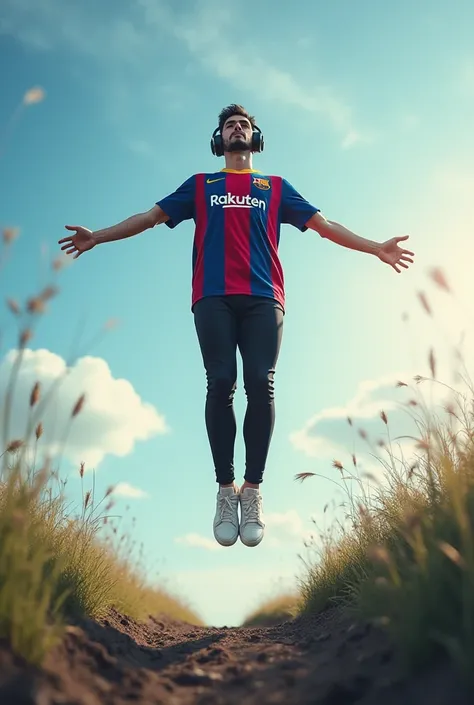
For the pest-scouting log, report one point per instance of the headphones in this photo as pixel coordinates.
(217, 143)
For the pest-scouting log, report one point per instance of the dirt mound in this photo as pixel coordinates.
(326, 660)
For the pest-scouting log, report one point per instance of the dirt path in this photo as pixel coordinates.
(324, 661)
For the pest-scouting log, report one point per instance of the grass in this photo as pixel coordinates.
(56, 565)
(404, 556)
(57, 562)
(273, 611)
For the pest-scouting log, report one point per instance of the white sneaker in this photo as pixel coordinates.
(226, 520)
(251, 521)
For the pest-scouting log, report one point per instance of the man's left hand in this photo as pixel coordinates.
(395, 256)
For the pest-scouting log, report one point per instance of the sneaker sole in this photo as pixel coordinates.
(223, 543)
(251, 544)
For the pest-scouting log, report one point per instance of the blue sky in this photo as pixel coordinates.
(366, 109)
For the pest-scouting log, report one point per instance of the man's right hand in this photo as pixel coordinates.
(80, 242)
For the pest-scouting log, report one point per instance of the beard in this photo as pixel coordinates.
(237, 145)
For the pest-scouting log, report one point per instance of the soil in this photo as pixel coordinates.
(327, 660)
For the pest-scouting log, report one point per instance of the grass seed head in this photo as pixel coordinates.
(452, 553)
(14, 307)
(14, 445)
(35, 394)
(34, 95)
(35, 305)
(424, 302)
(9, 235)
(439, 278)
(78, 406)
(25, 337)
(432, 362)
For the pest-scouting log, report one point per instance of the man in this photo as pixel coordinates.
(238, 298)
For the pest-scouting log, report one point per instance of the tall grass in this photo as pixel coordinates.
(57, 562)
(405, 556)
(273, 611)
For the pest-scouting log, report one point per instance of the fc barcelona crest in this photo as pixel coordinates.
(263, 184)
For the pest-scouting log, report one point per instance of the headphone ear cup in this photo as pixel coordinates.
(217, 146)
(257, 141)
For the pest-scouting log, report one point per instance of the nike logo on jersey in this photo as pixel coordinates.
(212, 181)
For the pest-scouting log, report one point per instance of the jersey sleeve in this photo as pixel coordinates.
(179, 205)
(295, 210)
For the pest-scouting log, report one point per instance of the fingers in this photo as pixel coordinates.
(401, 238)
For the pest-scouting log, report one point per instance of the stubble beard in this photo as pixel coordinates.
(237, 145)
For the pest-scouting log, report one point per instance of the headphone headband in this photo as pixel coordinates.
(217, 143)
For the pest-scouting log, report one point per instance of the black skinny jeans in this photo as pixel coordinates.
(254, 325)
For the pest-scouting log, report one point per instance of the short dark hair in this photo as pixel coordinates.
(234, 109)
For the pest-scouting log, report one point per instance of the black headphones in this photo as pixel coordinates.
(217, 143)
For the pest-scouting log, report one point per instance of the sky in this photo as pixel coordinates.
(367, 109)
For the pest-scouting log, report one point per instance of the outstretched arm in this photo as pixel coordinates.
(388, 251)
(84, 239)
(131, 226)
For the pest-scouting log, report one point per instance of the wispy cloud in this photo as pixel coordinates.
(124, 489)
(131, 39)
(205, 34)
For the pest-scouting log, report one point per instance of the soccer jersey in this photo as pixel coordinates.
(237, 216)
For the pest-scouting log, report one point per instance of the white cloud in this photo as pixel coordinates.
(286, 527)
(198, 541)
(124, 489)
(113, 419)
(329, 435)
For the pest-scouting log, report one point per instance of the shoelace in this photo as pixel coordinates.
(227, 511)
(251, 508)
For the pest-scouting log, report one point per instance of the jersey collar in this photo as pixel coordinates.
(241, 171)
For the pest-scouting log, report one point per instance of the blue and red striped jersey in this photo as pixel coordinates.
(237, 217)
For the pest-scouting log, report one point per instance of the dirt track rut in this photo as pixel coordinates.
(328, 660)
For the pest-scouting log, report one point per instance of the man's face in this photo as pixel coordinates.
(237, 134)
